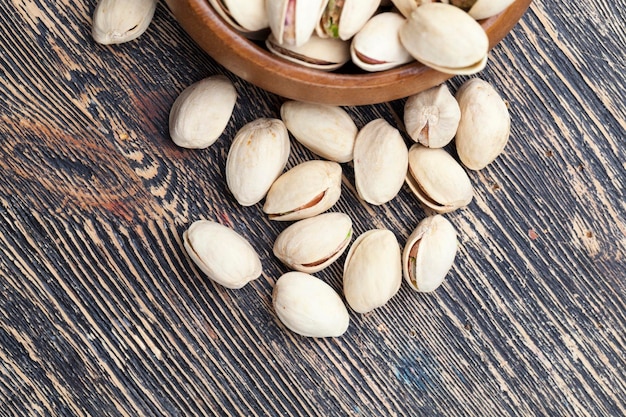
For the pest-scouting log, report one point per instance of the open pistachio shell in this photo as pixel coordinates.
(306, 190)
(429, 253)
(481, 9)
(325, 130)
(257, 156)
(377, 46)
(246, 16)
(372, 273)
(342, 19)
(310, 245)
(324, 54)
(119, 21)
(438, 181)
(292, 22)
(221, 253)
(445, 38)
(406, 7)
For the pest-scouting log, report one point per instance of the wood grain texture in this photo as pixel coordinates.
(103, 314)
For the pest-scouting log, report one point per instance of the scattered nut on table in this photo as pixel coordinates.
(119, 21)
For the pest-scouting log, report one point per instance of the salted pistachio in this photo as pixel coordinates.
(380, 162)
(372, 273)
(481, 9)
(432, 116)
(201, 112)
(248, 17)
(406, 7)
(377, 47)
(292, 22)
(324, 54)
(306, 190)
(257, 156)
(438, 181)
(328, 131)
(342, 19)
(222, 254)
(310, 245)
(119, 21)
(485, 124)
(445, 38)
(308, 306)
(429, 253)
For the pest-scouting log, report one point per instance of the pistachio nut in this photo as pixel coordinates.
(406, 7)
(201, 112)
(438, 181)
(310, 245)
(308, 306)
(119, 21)
(377, 47)
(221, 253)
(292, 22)
(432, 117)
(306, 190)
(429, 253)
(246, 16)
(380, 162)
(257, 156)
(445, 38)
(327, 131)
(372, 273)
(324, 54)
(485, 124)
(481, 9)
(342, 19)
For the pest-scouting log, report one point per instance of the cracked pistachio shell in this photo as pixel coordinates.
(429, 253)
(292, 22)
(308, 306)
(438, 181)
(201, 112)
(406, 7)
(380, 162)
(222, 254)
(485, 124)
(445, 38)
(119, 21)
(343, 19)
(257, 157)
(246, 16)
(306, 190)
(328, 131)
(312, 244)
(372, 273)
(481, 9)
(432, 117)
(377, 46)
(324, 54)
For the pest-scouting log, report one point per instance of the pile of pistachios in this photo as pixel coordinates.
(375, 35)
(476, 118)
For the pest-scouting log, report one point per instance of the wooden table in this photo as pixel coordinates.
(103, 314)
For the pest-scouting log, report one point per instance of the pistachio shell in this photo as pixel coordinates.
(437, 179)
(446, 38)
(328, 131)
(201, 112)
(406, 7)
(306, 190)
(485, 124)
(324, 54)
(246, 16)
(119, 21)
(377, 46)
(429, 253)
(372, 272)
(292, 22)
(481, 9)
(343, 19)
(312, 244)
(308, 306)
(432, 117)
(380, 162)
(221, 253)
(257, 157)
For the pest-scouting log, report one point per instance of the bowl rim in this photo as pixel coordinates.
(246, 59)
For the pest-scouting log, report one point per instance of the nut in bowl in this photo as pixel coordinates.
(347, 85)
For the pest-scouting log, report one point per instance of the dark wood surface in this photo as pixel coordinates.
(103, 314)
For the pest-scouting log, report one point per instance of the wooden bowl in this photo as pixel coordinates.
(272, 73)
